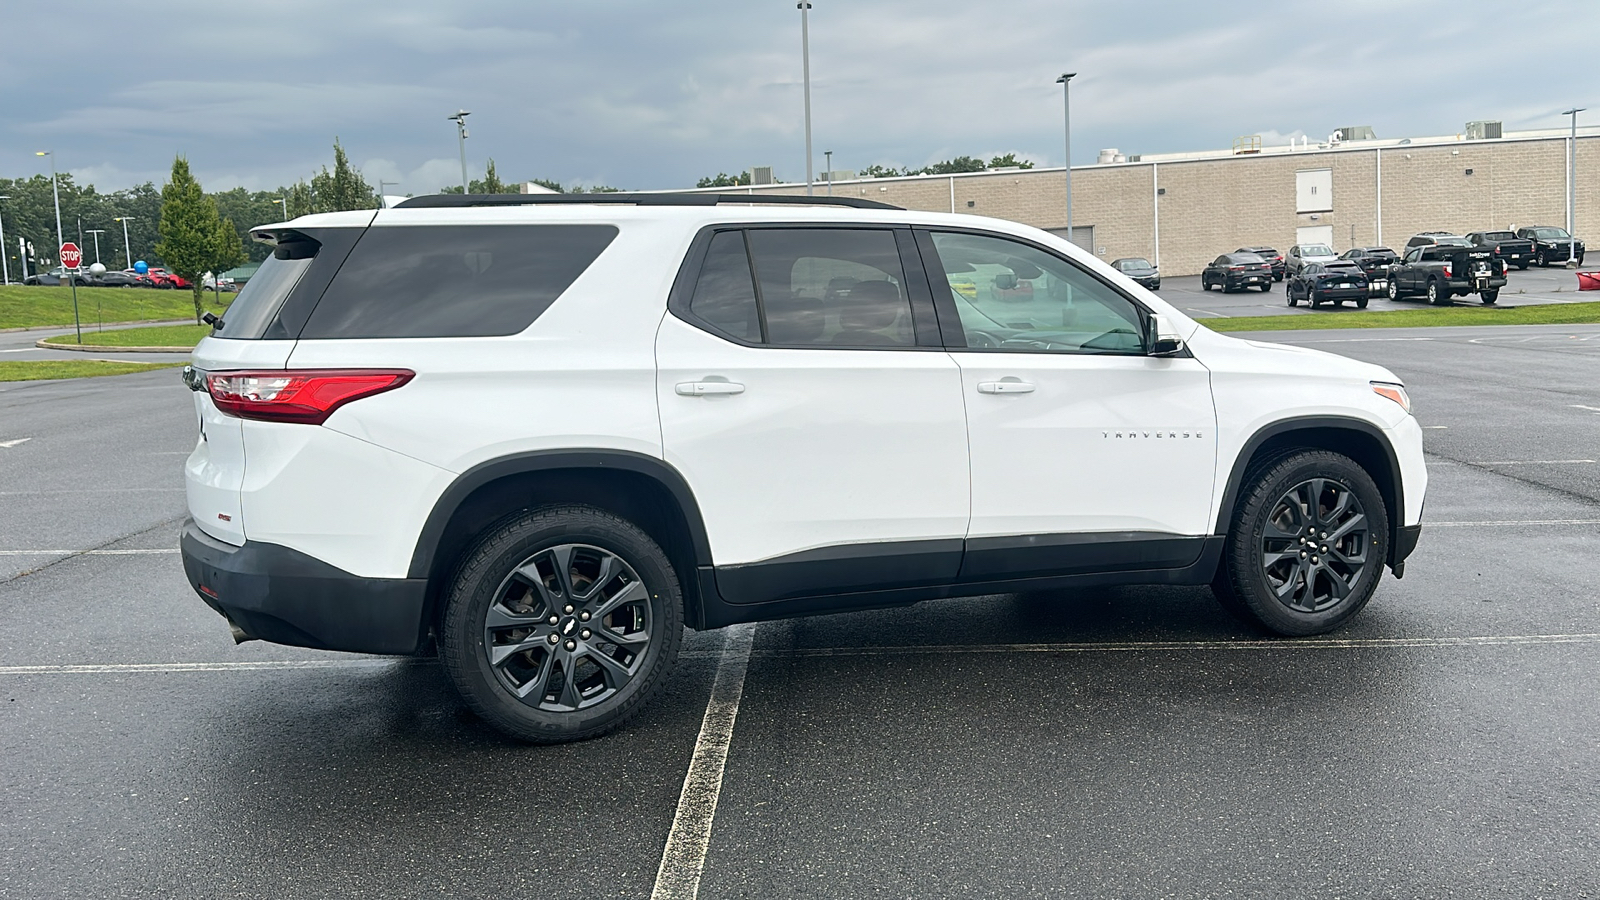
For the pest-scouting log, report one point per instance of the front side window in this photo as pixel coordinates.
(1013, 296)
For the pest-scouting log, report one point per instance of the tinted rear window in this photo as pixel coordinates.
(453, 281)
(251, 312)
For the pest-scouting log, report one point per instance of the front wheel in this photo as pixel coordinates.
(1490, 296)
(1394, 289)
(1540, 260)
(561, 624)
(1306, 545)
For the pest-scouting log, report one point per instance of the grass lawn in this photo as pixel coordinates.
(39, 370)
(153, 336)
(26, 306)
(1477, 314)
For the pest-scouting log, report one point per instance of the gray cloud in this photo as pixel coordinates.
(651, 95)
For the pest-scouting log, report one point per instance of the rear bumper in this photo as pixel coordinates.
(1470, 285)
(286, 597)
(1350, 293)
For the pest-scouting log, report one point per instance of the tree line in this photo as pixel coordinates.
(955, 166)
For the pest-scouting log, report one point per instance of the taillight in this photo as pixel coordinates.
(1236, 268)
(305, 396)
(1447, 272)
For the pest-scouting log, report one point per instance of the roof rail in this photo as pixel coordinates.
(451, 201)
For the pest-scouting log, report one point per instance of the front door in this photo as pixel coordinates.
(1087, 454)
(827, 449)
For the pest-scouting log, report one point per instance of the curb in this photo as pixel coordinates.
(102, 348)
(59, 327)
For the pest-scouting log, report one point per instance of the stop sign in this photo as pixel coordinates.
(71, 256)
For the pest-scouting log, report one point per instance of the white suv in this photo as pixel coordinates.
(548, 434)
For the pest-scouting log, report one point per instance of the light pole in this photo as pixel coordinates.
(383, 203)
(97, 232)
(1066, 91)
(805, 72)
(1572, 188)
(5, 267)
(127, 249)
(829, 173)
(460, 118)
(283, 202)
(60, 239)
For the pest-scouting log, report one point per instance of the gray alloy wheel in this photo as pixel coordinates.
(1540, 260)
(561, 624)
(1288, 294)
(1437, 297)
(1306, 545)
(1394, 288)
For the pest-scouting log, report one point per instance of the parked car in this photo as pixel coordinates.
(1139, 269)
(1551, 244)
(57, 276)
(1330, 282)
(172, 279)
(1237, 271)
(702, 454)
(1506, 245)
(1273, 258)
(1441, 271)
(1374, 263)
(144, 279)
(114, 279)
(1301, 254)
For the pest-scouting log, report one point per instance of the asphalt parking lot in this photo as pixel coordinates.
(1111, 743)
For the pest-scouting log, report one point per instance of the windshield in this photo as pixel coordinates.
(1135, 263)
(1550, 234)
(1316, 250)
(1498, 235)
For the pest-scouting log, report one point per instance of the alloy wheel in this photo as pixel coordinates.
(1314, 545)
(568, 628)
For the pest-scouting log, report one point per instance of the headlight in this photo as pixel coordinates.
(1395, 392)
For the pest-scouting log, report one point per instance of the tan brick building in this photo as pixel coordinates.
(1184, 209)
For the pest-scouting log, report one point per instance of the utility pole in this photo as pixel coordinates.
(60, 237)
(1572, 189)
(460, 118)
(1066, 90)
(805, 70)
(382, 203)
(829, 173)
(127, 249)
(97, 232)
(5, 267)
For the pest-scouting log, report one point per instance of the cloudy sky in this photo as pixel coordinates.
(654, 95)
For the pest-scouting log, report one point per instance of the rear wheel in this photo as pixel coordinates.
(1265, 288)
(1522, 267)
(1436, 294)
(561, 624)
(1490, 296)
(1361, 303)
(1305, 548)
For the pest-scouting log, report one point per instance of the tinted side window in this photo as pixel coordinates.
(831, 287)
(453, 281)
(1012, 296)
(725, 295)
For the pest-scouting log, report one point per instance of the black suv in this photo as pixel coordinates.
(1272, 256)
(1235, 271)
(1551, 244)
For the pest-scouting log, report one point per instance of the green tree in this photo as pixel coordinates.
(877, 171)
(1008, 161)
(954, 166)
(723, 179)
(194, 239)
(341, 189)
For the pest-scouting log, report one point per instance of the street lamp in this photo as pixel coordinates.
(382, 202)
(57, 192)
(283, 202)
(1066, 90)
(829, 173)
(127, 249)
(460, 118)
(5, 267)
(805, 70)
(97, 232)
(1572, 188)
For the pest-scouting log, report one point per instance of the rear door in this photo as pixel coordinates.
(804, 397)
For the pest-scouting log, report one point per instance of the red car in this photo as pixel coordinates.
(165, 279)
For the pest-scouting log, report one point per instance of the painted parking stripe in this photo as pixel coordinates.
(1534, 462)
(1179, 646)
(1508, 523)
(684, 858)
(178, 668)
(88, 552)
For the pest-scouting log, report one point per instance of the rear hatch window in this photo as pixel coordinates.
(274, 303)
(404, 281)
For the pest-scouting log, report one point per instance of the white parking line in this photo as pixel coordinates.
(181, 667)
(684, 857)
(1533, 462)
(87, 552)
(1115, 646)
(1498, 523)
(1589, 408)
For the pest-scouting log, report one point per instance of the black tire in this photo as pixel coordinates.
(1226, 287)
(1437, 296)
(1361, 303)
(1311, 299)
(597, 700)
(1266, 288)
(1489, 296)
(1277, 276)
(1540, 260)
(1283, 596)
(1288, 294)
(1522, 267)
(1394, 289)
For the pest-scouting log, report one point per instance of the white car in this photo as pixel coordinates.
(1301, 255)
(548, 434)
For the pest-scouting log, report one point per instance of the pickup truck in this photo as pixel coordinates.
(1551, 245)
(1506, 245)
(1445, 270)
(1375, 263)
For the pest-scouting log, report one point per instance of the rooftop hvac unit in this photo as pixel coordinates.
(761, 175)
(1356, 133)
(1108, 155)
(1483, 131)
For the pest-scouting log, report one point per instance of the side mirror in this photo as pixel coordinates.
(1160, 338)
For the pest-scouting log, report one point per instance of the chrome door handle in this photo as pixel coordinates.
(1005, 387)
(703, 388)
